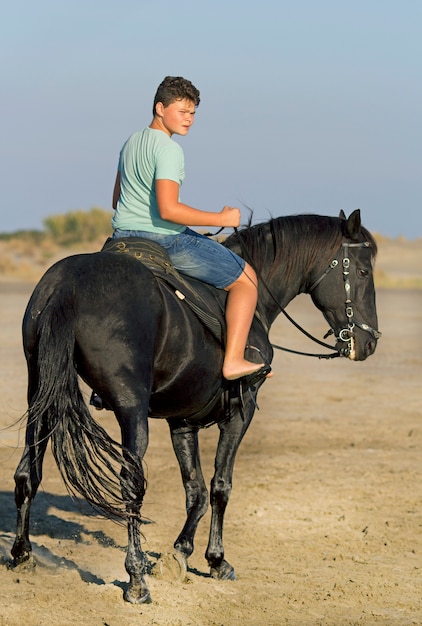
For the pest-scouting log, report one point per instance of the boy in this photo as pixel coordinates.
(146, 202)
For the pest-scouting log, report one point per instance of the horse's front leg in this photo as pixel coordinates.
(186, 448)
(135, 442)
(231, 434)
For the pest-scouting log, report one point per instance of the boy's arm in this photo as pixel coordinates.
(167, 192)
(116, 191)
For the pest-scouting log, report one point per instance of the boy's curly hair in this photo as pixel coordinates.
(175, 88)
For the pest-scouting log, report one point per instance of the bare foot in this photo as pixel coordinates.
(232, 371)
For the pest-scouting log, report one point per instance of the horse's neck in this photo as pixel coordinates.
(277, 288)
(280, 281)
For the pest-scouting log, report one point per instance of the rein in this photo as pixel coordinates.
(346, 334)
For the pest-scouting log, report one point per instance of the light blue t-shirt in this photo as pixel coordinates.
(148, 155)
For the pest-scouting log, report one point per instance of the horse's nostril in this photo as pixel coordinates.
(370, 347)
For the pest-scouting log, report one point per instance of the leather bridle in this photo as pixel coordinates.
(346, 334)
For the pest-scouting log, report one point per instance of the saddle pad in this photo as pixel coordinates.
(148, 252)
(157, 260)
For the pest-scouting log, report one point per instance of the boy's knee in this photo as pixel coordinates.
(250, 274)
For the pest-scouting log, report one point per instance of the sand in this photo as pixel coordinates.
(325, 519)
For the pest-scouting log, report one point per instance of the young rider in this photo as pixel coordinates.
(147, 204)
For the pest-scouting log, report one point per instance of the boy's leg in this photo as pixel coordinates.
(240, 308)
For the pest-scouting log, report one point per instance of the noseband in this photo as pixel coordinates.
(347, 334)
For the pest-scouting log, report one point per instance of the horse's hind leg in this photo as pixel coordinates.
(185, 444)
(28, 476)
(135, 442)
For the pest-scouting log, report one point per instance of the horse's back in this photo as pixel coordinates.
(96, 273)
(91, 285)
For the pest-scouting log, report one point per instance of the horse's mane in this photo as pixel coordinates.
(297, 240)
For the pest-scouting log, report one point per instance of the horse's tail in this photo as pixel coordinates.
(91, 463)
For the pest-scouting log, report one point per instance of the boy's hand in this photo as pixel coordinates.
(230, 217)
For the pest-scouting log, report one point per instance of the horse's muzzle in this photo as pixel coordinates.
(356, 350)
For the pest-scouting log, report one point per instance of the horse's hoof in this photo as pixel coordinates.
(23, 563)
(171, 567)
(23, 559)
(137, 598)
(224, 571)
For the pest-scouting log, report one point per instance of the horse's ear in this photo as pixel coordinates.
(342, 214)
(353, 224)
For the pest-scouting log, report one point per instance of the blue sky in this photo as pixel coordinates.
(306, 106)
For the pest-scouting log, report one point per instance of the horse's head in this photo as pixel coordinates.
(343, 289)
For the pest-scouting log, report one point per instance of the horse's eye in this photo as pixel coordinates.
(363, 273)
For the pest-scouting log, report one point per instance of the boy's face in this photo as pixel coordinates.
(177, 117)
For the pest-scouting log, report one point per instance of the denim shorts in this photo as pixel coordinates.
(195, 255)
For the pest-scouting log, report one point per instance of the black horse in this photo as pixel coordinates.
(107, 318)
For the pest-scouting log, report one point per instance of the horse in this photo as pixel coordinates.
(108, 320)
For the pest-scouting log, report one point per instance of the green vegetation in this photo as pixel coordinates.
(26, 254)
(68, 229)
(79, 226)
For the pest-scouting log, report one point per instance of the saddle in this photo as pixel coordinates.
(156, 259)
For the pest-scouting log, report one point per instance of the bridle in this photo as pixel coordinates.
(346, 335)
